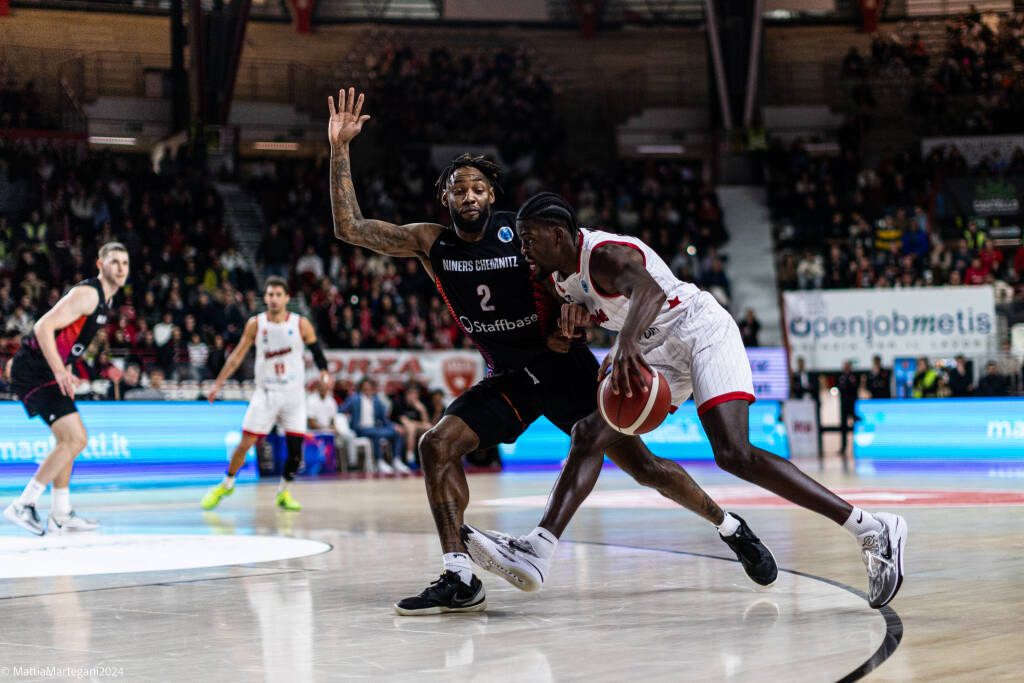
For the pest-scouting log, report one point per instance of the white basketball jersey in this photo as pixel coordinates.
(279, 350)
(610, 311)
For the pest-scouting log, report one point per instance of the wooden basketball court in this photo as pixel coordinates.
(639, 590)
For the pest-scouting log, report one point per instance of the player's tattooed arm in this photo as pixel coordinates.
(346, 121)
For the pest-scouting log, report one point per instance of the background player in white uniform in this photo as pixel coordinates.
(683, 332)
(280, 396)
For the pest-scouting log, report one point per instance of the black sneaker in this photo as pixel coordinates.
(447, 594)
(754, 555)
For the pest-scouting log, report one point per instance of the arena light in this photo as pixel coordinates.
(111, 140)
(660, 149)
(276, 146)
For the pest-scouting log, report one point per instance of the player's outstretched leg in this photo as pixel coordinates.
(457, 589)
(882, 536)
(525, 561)
(227, 485)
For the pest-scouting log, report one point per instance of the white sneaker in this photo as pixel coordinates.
(511, 558)
(883, 557)
(384, 468)
(25, 516)
(71, 524)
(401, 467)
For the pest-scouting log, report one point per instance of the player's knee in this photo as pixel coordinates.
(434, 448)
(76, 441)
(735, 458)
(584, 438)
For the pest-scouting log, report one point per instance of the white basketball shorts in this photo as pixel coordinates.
(703, 355)
(286, 409)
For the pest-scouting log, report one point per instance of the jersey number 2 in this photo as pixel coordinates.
(485, 297)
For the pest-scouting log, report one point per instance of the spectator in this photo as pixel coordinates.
(198, 355)
(810, 272)
(878, 380)
(749, 328)
(976, 274)
(310, 267)
(926, 380)
(853, 64)
(218, 356)
(321, 407)
(154, 392)
(128, 381)
(437, 406)
(409, 412)
(993, 383)
(275, 253)
(803, 384)
(959, 379)
(368, 418)
(848, 384)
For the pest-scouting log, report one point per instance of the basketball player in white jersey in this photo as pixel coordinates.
(671, 326)
(280, 396)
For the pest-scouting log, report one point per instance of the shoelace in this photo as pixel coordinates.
(873, 559)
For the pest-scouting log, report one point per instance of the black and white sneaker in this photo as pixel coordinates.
(513, 559)
(447, 594)
(25, 516)
(883, 557)
(757, 560)
(71, 524)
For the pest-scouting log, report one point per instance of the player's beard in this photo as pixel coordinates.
(472, 226)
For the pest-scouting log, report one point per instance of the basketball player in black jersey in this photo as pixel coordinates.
(40, 375)
(477, 266)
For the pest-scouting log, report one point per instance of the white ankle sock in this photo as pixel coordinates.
(283, 485)
(228, 481)
(729, 525)
(30, 496)
(543, 541)
(460, 564)
(860, 523)
(60, 502)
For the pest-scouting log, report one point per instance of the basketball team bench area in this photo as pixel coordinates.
(639, 589)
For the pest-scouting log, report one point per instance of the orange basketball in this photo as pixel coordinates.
(639, 413)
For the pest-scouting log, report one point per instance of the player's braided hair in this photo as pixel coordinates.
(548, 207)
(481, 163)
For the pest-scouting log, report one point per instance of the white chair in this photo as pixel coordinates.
(352, 445)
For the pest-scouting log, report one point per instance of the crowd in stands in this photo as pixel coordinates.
(20, 105)
(496, 97)
(975, 86)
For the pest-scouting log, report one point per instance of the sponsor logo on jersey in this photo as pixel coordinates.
(101, 319)
(586, 287)
(505, 234)
(77, 350)
(500, 325)
(599, 316)
(480, 265)
(278, 352)
(651, 331)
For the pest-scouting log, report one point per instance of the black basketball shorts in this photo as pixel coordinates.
(33, 382)
(560, 386)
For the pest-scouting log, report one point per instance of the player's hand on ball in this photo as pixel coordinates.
(345, 122)
(573, 316)
(626, 363)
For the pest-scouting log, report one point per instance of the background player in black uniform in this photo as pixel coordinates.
(41, 377)
(479, 270)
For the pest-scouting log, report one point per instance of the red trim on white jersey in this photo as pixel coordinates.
(724, 398)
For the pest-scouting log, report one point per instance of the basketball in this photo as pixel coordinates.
(639, 413)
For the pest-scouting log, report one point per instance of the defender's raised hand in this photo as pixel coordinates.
(345, 122)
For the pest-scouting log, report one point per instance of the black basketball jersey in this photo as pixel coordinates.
(73, 340)
(490, 292)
